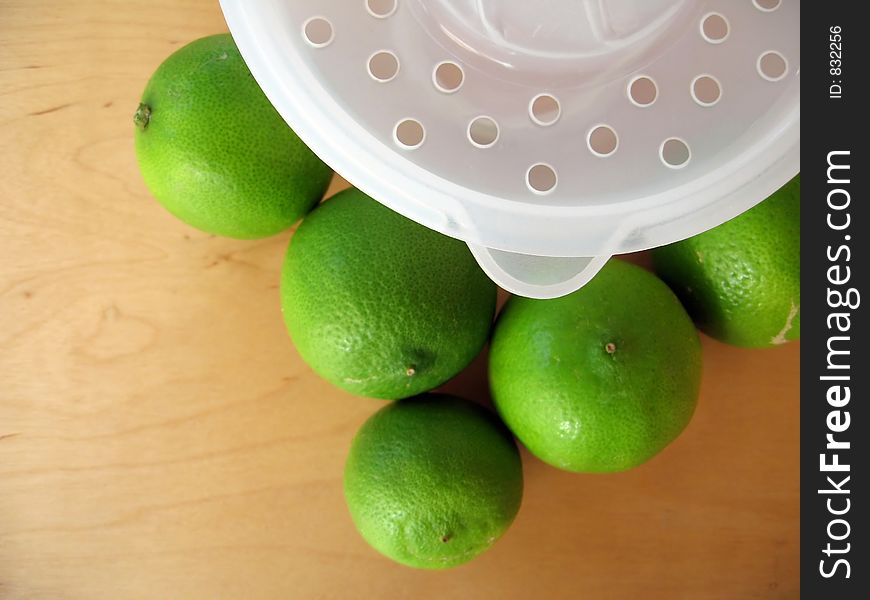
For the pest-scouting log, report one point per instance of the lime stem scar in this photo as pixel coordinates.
(142, 116)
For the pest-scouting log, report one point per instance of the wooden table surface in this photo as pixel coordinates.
(160, 437)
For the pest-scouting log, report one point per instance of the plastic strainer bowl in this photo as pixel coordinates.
(547, 135)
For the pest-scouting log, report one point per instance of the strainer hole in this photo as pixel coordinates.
(544, 109)
(448, 77)
(767, 5)
(772, 65)
(541, 178)
(381, 8)
(483, 132)
(602, 140)
(409, 133)
(675, 153)
(318, 32)
(715, 28)
(383, 66)
(706, 90)
(642, 91)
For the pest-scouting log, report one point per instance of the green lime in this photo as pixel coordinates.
(433, 481)
(741, 280)
(601, 379)
(379, 305)
(214, 151)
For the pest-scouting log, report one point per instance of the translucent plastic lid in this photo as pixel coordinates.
(532, 130)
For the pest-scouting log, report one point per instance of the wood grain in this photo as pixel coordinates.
(160, 438)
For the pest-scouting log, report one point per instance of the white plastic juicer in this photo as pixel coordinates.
(547, 135)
